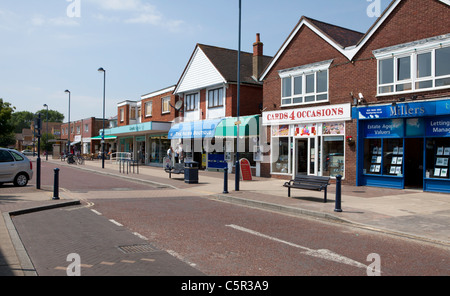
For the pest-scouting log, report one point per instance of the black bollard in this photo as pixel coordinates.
(56, 185)
(337, 207)
(225, 180)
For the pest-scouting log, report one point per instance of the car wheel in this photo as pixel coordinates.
(21, 180)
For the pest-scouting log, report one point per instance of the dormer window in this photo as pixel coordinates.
(305, 84)
(416, 66)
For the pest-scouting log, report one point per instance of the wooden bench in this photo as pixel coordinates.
(309, 183)
(178, 168)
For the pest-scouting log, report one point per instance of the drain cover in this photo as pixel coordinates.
(133, 249)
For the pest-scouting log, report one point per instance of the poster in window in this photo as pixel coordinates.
(395, 150)
(400, 150)
(447, 151)
(437, 172)
(394, 160)
(398, 170)
(392, 170)
(377, 168)
(444, 172)
(399, 160)
(440, 161)
(375, 150)
(440, 151)
(372, 168)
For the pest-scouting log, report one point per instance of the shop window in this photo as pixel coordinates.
(333, 151)
(437, 158)
(393, 157)
(280, 160)
(372, 156)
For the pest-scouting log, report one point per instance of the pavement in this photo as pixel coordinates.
(408, 213)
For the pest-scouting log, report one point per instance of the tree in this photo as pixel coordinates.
(6, 128)
(21, 120)
(53, 116)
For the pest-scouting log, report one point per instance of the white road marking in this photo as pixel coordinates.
(140, 236)
(322, 253)
(115, 222)
(97, 212)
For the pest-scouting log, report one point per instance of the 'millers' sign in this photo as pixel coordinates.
(313, 114)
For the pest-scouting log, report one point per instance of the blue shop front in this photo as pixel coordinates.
(404, 145)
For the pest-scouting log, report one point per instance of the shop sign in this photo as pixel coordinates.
(246, 171)
(327, 113)
(438, 127)
(386, 128)
(404, 110)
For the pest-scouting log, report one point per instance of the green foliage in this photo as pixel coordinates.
(6, 128)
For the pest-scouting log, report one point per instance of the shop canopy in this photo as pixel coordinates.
(106, 137)
(194, 129)
(249, 126)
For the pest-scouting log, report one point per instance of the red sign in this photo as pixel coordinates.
(246, 171)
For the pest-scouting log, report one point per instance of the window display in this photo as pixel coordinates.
(280, 160)
(333, 150)
(437, 158)
(372, 159)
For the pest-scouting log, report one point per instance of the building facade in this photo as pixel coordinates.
(84, 136)
(394, 78)
(208, 89)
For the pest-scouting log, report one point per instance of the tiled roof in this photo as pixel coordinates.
(225, 61)
(342, 36)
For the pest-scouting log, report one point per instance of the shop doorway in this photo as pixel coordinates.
(302, 157)
(413, 163)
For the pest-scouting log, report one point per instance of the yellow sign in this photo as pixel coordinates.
(203, 160)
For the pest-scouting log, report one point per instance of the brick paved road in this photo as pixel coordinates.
(50, 236)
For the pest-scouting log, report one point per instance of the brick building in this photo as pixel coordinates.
(322, 72)
(82, 135)
(208, 89)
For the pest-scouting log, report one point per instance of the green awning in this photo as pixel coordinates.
(249, 126)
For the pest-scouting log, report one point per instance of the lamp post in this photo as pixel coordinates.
(46, 118)
(237, 174)
(68, 136)
(103, 131)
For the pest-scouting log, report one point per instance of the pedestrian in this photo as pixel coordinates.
(170, 155)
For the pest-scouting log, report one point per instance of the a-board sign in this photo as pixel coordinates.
(246, 171)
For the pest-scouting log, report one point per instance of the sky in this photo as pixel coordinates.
(144, 45)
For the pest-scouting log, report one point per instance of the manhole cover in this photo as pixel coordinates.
(133, 249)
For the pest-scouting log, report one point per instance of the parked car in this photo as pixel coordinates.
(15, 167)
(27, 152)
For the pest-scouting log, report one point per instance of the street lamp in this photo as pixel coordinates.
(68, 137)
(46, 118)
(237, 174)
(103, 132)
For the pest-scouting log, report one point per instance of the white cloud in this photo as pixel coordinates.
(39, 20)
(138, 12)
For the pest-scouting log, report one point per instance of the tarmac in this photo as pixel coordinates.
(408, 213)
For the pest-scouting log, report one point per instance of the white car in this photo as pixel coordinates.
(15, 167)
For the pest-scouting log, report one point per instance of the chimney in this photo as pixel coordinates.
(257, 57)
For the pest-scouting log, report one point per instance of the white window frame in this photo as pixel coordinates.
(412, 50)
(165, 102)
(220, 97)
(303, 72)
(146, 104)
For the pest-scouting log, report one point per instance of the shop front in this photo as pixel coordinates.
(146, 142)
(404, 145)
(308, 141)
(213, 143)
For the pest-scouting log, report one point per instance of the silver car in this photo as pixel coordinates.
(15, 167)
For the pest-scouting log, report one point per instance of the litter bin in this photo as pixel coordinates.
(191, 172)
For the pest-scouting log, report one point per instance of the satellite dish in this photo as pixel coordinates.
(178, 105)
